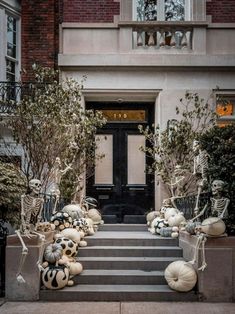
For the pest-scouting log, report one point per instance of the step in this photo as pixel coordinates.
(117, 293)
(123, 227)
(132, 251)
(131, 238)
(123, 277)
(141, 263)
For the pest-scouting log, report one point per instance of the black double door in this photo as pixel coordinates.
(121, 185)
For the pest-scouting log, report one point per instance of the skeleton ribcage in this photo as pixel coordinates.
(32, 206)
(217, 206)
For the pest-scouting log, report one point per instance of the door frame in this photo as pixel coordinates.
(149, 107)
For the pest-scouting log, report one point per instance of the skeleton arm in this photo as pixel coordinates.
(39, 218)
(225, 209)
(201, 212)
(22, 214)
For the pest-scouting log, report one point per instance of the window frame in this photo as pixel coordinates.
(229, 95)
(4, 13)
(161, 10)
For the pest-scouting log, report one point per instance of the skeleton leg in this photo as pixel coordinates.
(42, 238)
(197, 200)
(24, 253)
(204, 264)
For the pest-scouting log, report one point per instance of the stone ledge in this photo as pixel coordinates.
(217, 282)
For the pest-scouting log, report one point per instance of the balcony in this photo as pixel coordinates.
(147, 44)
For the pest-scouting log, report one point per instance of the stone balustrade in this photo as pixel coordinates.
(167, 35)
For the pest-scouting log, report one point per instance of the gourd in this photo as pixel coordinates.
(212, 226)
(176, 220)
(190, 227)
(180, 276)
(166, 232)
(150, 216)
(53, 253)
(55, 277)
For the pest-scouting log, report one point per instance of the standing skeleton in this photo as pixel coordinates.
(31, 215)
(200, 169)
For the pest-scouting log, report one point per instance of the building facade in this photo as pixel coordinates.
(139, 57)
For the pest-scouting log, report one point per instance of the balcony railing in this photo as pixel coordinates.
(12, 92)
(163, 35)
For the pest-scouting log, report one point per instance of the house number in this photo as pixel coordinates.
(124, 115)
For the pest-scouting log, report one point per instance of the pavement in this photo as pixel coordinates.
(39, 307)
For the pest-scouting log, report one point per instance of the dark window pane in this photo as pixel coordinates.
(11, 50)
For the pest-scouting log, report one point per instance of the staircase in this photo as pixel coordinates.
(123, 263)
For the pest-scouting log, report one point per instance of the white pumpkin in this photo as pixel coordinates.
(74, 210)
(170, 211)
(95, 215)
(180, 276)
(212, 226)
(176, 220)
(150, 216)
(75, 268)
(71, 234)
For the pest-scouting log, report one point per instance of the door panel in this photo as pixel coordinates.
(104, 165)
(120, 183)
(136, 160)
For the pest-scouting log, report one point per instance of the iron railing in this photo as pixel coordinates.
(12, 92)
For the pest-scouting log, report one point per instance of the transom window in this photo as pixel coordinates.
(161, 10)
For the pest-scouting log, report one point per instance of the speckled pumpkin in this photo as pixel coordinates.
(70, 248)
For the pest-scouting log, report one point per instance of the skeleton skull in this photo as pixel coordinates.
(35, 186)
(217, 187)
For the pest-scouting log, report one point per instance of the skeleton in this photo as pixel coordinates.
(55, 178)
(200, 169)
(219, 204)
(31, 215)
(219, 208)
(177, 181)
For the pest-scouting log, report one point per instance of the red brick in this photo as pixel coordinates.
(222, 11)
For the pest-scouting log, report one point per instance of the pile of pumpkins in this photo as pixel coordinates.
(180, 275)
(71, 225)
(167, 222)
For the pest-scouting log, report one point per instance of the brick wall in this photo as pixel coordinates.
(222, 11)
(40, 20)
(91, 11)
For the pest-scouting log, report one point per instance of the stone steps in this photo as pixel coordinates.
(123, 263)
(132, 251)
(142, 263)
(123, 277)
(85, 292)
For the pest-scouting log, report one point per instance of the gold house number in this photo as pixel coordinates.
(125, 115)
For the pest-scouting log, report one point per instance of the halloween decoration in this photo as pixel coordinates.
(180, 276)
(31, 215)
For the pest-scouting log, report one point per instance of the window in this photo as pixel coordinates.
(9, 44)
(225, 109)
(161, 10)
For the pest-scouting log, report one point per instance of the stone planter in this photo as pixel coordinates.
(217, 282)
(29, 290)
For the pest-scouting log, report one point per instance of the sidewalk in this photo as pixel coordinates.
(116, 308)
